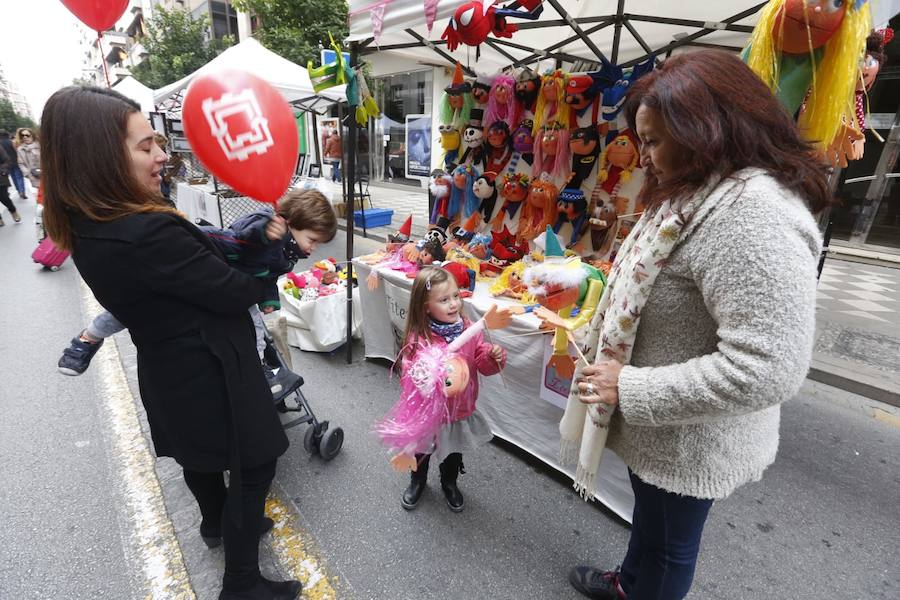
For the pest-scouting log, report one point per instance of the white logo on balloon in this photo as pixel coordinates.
(238, 145)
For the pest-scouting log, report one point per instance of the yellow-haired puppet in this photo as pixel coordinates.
(808, 52)
(510, 284)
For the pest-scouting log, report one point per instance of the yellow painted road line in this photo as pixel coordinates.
(294, 549)
(147, 531)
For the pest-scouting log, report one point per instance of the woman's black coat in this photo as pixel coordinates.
(186, 309)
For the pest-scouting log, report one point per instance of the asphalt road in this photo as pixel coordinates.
(821, 524)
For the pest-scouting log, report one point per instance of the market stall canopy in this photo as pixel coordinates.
(289, 78)
(132, 88)
(575, 32)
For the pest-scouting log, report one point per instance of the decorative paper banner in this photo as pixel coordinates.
(430, 13)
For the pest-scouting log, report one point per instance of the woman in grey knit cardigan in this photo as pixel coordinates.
(709, 315)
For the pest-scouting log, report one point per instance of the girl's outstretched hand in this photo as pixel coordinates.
(497, 318)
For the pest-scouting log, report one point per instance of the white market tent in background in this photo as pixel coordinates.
(132, 88)
(574, 32)
(289, 78)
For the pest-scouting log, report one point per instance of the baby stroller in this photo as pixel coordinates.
(320, 437)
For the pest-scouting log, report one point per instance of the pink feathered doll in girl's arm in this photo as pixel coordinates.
(442, 355)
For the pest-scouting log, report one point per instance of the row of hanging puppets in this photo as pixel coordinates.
(522, 151)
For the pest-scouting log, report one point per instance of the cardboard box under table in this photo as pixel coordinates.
(517, 413)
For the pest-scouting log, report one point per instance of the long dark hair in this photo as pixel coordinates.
(85, 166)
(725, 119)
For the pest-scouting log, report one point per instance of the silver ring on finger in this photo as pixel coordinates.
(589, 389)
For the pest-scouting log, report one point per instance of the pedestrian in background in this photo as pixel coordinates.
(6, 163)
(15, 172)
(710, 308)
(29, 155)
(207, 401)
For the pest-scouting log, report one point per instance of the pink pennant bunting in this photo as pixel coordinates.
(430, 13)
(378, 22)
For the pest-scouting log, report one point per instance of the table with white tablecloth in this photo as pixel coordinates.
(513, 404)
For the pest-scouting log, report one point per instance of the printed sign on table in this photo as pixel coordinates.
(554, 389)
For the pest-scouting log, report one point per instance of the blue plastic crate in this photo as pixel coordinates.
(373, 217)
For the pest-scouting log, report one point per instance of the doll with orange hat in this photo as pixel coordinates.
(456, 102)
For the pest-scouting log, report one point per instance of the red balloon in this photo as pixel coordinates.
(243, 131)
(99, 15)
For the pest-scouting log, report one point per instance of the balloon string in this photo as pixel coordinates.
(103, 58)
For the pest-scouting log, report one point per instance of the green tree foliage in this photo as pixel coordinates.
(176, 45)
(10, 120)
(294, 28)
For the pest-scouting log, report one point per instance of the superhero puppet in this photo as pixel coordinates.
(584, 143)
(486, 191)
(513, 190)
(551, 154)
(528, 86)
(441, 187)
(551, 109)
(472, 23)
(502, 103)
(571, 208)
(456, 102)
(811, 49)
(523, 144)
(559, 284)
(539, 209)
(523, 9)
(498, 150)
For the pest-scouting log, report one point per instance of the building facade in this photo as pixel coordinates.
(9, 91)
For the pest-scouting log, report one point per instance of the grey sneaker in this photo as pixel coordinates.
(272, 379)
(596, 584)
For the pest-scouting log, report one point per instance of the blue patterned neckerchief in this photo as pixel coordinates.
(448, 331)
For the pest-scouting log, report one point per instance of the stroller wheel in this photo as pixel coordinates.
(331, 443)
(311, 440)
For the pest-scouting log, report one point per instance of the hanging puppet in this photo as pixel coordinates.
(441, 187)
(462, 194)
(498, 150)
(808, 52)
(523, 144)
(539, 209)
(473, 142)
(551, 154)
(560, 284)
(456, 102)
(528, 85)
(584, 144)
(450, 144)
(571, 207)
(551, 109)
(502, 103)
(481, 89)
(513, 190)
(618, 162)
(615, 84)
(583, 98)
(875, 60)
(472, 23)
(486, 191)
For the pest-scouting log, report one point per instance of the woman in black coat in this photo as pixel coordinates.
(207, 400)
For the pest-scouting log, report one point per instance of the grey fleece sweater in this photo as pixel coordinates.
(725, 337)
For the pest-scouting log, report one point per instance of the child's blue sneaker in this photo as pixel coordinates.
(77, 357)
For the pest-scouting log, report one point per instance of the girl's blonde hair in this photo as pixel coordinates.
(417, 327)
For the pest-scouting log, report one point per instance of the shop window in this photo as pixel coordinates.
(404, 98)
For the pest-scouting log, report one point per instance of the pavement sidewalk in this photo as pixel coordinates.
(857, 345)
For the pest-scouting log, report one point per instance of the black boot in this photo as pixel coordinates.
(450, 470)
(417, 480)
(265, 589)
